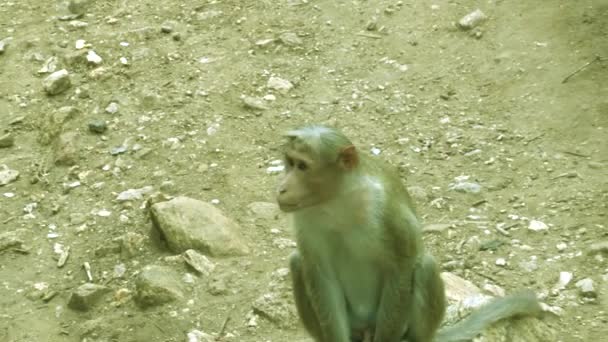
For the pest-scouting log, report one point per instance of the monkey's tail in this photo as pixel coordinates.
(518, 304)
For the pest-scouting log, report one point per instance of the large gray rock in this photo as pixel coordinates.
(86, 295)
(464, 297)
(157, 285)
(186, 223)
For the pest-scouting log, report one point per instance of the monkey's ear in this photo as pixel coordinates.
(349, 157)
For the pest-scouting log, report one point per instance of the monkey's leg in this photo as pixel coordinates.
(305, 311)
(428, 302)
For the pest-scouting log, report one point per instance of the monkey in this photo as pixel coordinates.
(360, 271)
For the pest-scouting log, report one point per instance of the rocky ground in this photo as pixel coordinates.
(108, 107)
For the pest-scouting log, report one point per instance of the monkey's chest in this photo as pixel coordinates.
(360, 280)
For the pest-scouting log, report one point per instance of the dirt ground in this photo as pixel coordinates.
(398, 77)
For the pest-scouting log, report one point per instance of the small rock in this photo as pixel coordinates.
(57, 82)
(283, 243)
(93, 57)
(7, 175)
(586, 288)
(461, 184)
(218, 287)
(198, 262)
(66, 151)
(86, 295)
(279, 84)
(564, 280)
(472, 19)
(596, 165)
(2, 47)
(7, 140)
(167, 27)
(134, 194)
(98, 126)
(112, 108)
(599, 247)
(11, 239)
(253, 103)
(501, 262)
(290, 39)
(131, 244)
(157, 285)
(537, 226)
(435, 227)
(562, 246)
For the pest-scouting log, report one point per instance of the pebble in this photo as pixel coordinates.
(78, 6)
(94, 58)
(537, 226)
(279, 84)
(2, 46)
(586, 288)
(167, 27)
(461, 184)
(599, 247)
(290, 39)
(57, 82)
(472, 19)
(7, 140)
(564, 279)
(112, 108)
(253, 103)
(501, 262)
(7, 175)
(561, 246)
(98, 126)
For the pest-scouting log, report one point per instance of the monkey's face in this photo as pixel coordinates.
(306, 183)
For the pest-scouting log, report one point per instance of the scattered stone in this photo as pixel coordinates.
(585, 287)
(199, 336)
(461, 184)
(7, 140)
(458, 289)
(599, 247)
(134, 194)
(264, 210)
(198, 262)
(93, 57)
(276, 308)
(98, 126)
(187, 223)
(564, 280)
(472, 20)
(66, 151)
(167, 27)
(86, 295)
(253, 103)
(279, 84)
(494, 290)
(2, 47)
(131, 244)
(537, 226)
(218, 287)
(12, 239)
(562, 246)
(57, 82)
(290, 39)
(49, 66)
(118, 150)
(157, 285)
(435, 227)
(596, 165)
(501, 262)
(112, 108)
(7, 175)
(283, 243)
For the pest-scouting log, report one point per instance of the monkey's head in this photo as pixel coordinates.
(317, 158)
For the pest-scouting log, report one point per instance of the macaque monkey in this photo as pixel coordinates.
(360, 270)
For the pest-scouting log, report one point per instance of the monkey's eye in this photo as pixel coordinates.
(302, 166)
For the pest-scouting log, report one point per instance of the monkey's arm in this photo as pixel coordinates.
(403, 239)
(519, 304)
(328, 303)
